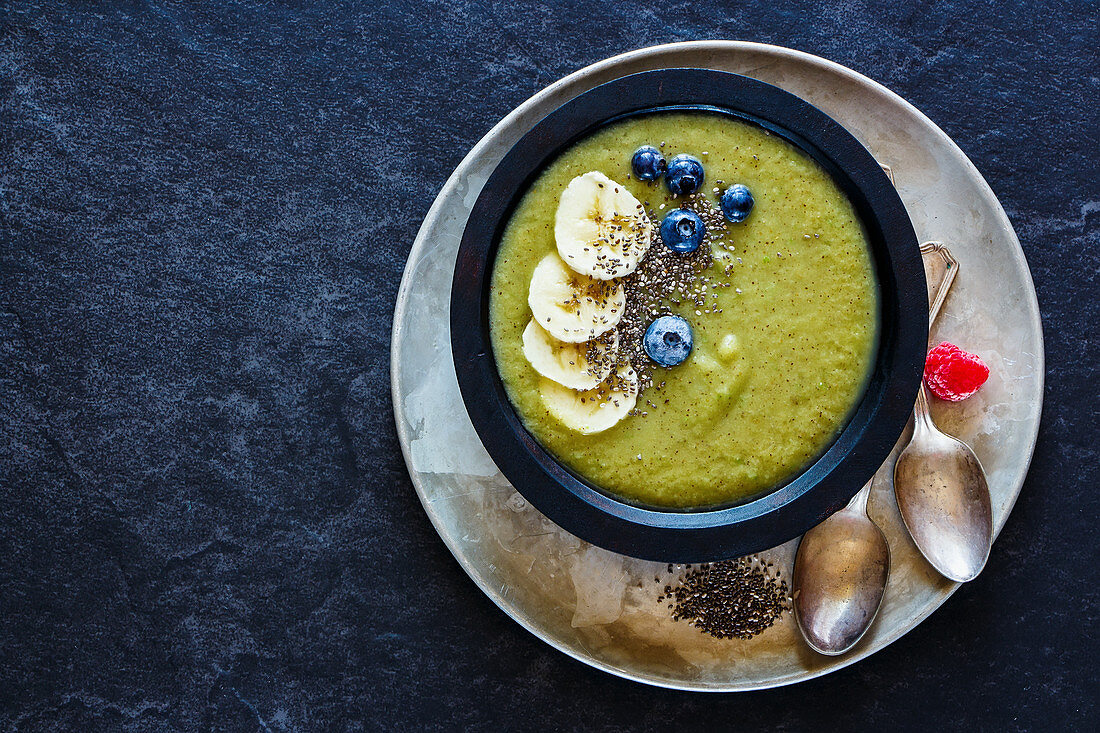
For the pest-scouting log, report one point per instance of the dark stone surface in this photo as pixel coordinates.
(205, 520)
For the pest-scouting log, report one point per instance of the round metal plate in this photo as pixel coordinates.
(600, 607)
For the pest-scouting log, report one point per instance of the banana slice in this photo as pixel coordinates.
(569, 364)
(601, 229)
(593, 410)
(573, 307)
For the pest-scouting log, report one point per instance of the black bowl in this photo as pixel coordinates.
(801, 501)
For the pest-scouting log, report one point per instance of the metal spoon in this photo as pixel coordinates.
(839, 577)
(940, 485)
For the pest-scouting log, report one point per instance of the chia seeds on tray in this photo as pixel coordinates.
(730, 599)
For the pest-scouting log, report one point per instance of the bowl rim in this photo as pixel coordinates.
(803, 499)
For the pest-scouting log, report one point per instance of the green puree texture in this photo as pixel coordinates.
(772, 378)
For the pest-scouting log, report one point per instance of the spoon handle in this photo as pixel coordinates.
(931, 252)
(921, 414)
(858, 503)
(950, 267)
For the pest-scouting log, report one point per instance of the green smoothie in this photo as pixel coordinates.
(781, 352)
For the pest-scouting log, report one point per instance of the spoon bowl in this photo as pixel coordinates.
(943, 496)
(839, 578)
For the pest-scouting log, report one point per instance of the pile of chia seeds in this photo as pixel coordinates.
(731, 599)
(665, 280)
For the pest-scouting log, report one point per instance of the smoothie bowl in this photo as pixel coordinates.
(688, 316)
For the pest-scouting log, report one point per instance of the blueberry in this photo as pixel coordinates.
(736, 202)
(682, 230)
(668, 340)
(685, 175)
(648, 163)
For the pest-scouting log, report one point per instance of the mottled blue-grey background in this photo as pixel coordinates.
(205, 520)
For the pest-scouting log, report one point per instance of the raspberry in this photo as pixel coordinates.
(953, 374)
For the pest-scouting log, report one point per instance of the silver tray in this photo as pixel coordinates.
(601, 608)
